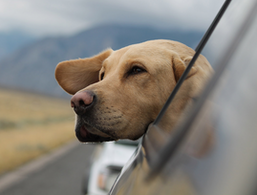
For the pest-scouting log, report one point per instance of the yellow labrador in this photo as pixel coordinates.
(117, 94)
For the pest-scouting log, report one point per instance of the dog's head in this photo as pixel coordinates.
(117, 94)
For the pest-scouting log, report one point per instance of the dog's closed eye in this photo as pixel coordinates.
(102, 76)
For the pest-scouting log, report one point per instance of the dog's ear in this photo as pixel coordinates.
(180, 65)
(74, 75)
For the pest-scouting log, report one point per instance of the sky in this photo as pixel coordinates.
(65, 17)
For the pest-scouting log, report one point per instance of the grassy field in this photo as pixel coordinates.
(31, 125)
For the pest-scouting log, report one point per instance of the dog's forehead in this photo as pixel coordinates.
(143, 49)
(153, 54)
(147, 51)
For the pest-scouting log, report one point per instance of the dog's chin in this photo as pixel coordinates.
(85, 136)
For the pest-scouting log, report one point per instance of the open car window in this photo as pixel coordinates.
(217, 155)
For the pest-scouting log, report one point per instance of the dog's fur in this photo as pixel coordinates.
(124, 90)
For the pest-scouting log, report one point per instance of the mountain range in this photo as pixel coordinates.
(11, 41)
(32, 67)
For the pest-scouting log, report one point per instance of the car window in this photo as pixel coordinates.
(227, 48)
(128, 142)
(218, 155)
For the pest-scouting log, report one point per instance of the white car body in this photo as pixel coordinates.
(107, 162)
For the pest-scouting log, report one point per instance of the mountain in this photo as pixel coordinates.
(11, 41)
(32, 67)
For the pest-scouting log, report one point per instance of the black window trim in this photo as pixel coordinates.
(198, 51)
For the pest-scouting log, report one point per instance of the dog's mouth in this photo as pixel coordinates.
(84, 134)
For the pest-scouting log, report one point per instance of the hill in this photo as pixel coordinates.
(32, 67)
(11, 41)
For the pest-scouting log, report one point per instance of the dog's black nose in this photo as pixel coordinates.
(81, 101)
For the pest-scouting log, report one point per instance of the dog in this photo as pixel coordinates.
(118, 94)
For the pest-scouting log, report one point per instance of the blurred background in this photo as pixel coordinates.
(35, 36)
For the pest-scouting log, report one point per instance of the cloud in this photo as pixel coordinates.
(69, 16)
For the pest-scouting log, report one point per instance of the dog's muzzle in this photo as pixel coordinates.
(82, 103)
